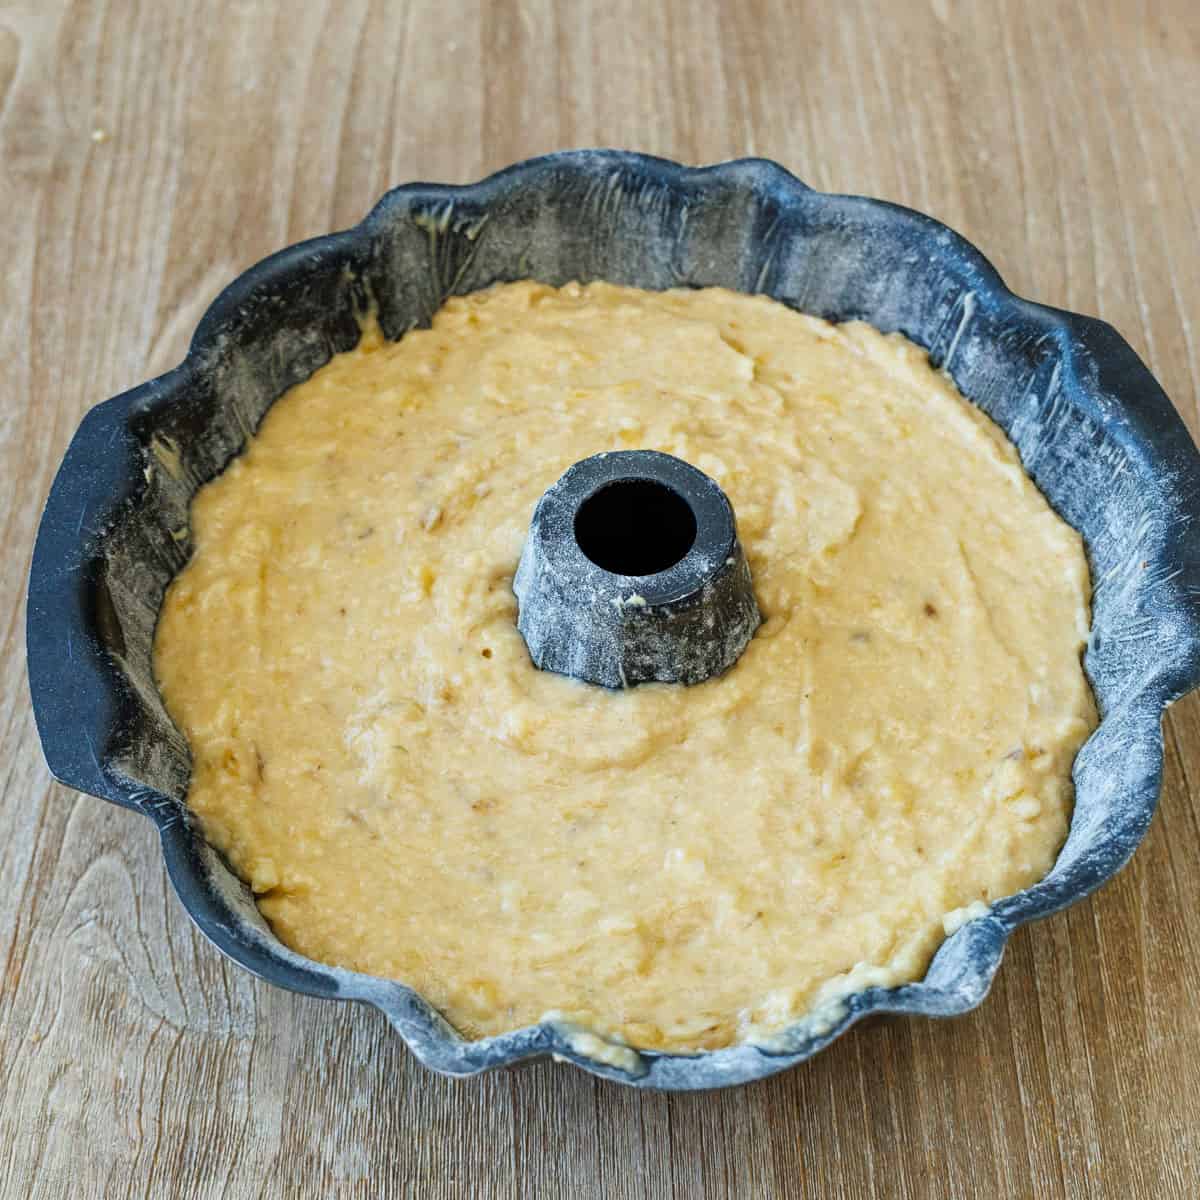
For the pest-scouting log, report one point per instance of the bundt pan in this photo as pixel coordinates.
(1093, 428)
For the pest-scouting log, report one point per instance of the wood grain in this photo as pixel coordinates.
(150, 150)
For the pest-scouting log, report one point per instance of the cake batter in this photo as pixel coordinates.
(676, 867)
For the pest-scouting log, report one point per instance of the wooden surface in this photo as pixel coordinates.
(152, 149)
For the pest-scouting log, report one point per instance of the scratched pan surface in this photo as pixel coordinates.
(1093, 427)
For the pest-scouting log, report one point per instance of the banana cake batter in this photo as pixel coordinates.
(676, 867)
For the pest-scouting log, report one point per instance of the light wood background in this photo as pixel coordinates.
(152, 149)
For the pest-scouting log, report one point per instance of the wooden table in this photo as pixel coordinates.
(152, 149)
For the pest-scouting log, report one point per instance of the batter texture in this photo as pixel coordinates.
(679, 868)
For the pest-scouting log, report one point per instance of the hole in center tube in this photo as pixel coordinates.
(635, 527)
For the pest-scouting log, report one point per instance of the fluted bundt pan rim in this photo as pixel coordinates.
(1093, 427)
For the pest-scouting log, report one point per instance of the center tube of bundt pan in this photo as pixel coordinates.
(632, 572)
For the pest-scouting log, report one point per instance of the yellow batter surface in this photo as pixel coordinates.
(678, 867)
